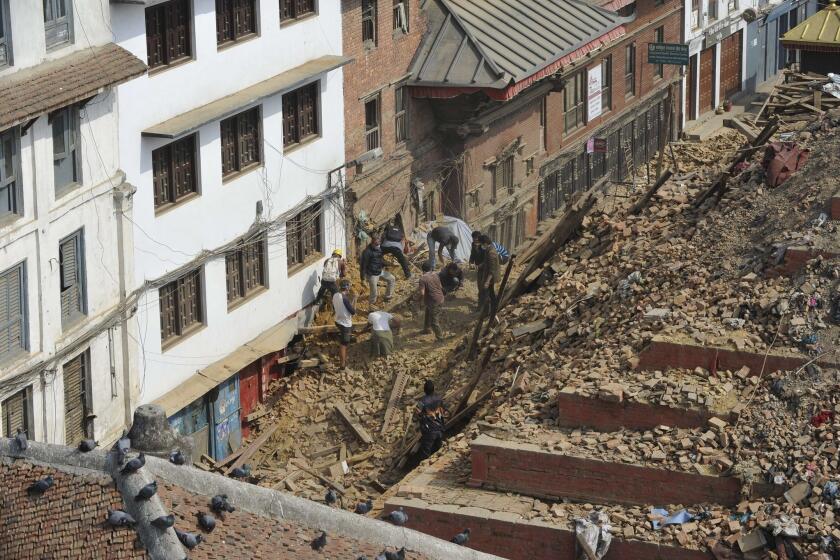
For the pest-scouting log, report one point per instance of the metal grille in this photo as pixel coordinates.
(11, 312)
(76, 400)
(168, 33)
(16, 413)
(550, 196)
(173, 171)
(241, 141)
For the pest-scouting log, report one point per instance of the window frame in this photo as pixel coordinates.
(175, 193)
(732, 5)
(659, 37)
(86, 397)
(399, 14)
(575, 106)
(503, 177)
(370, 20)
(177, 288)
(11, 183)
(74, 315)
(22, 318)
(294, 6)
(237, 36)
(54, 23)
(373, 133)
(606, 83)
(6, 49)
(695, 14)
(166, 14)
(28, 416)
(712, 10)
(237, 268)
(429, 208)
(304, 238)
(295, 113)
(71, 134)
(629, 70)
(401, 128)
(236, 123)
(544, 123)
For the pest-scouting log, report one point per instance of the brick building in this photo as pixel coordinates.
(382, 37)
(518, 114)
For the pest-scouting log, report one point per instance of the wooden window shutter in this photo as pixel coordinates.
(232, 273)
(183, 156)
(248, 134)
(245, 17)
(308, 118)
(287, 9)
(75, 401)
(16, 414)
(228, 146)
(161, 165)
(11, 311)
(290, 119)
(182, 28)
(184, 307)
(224, 27)
(71, 301)
(154, 36)
(168, 311)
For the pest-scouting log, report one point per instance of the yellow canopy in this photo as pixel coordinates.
(821, 29)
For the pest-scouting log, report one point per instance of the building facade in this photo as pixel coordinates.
(65, 348)
(230, 139)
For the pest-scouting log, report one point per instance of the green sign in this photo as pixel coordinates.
(668, 53)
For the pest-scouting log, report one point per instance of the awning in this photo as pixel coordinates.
(37, 90)
(202, 382)
(226, 106)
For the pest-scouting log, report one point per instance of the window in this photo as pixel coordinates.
(630, 70)
(659, 37)
(72, 275)
(400, 114)
(294, 9)
(300, 114)
(17, 413)
(695, 14)
(235, 20)
(574, 94)
(713, 10)
(372, 139)
(606, 83)
(173, 172)
(180, 307)
(78, 403)
(401, 16)
(5, 36)
(503, 176)
(66, 133)
(369, 22)
(245, 268)
(241, 142)
(58, 18)
(12, 312)
(543, 123)
(303, 236)
(429, 209)
(10, 196)
(529, 165)
(168, 33)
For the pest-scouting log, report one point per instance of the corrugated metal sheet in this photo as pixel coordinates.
(494, 43)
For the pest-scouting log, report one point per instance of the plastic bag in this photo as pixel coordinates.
(593, 535)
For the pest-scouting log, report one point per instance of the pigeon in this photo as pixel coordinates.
(319, 542)
(461, 538)
(190, 540)
(20, 440)
(163, 522)
(241, 472)
(387, 555)
(121, 447)
(398, 517)
(87, 445)
(40, 486)
(206, 521)
(177, 458)
(220, 504)
(146, 492)
(331, 497)
(364, 507)
(119, 518)
(134, 465)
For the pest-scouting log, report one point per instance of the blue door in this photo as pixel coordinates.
(192, 420)
(227, 429)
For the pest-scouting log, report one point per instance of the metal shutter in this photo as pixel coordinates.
(75, 409)
(16, 414)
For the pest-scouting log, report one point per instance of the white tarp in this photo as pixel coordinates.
(458, 227)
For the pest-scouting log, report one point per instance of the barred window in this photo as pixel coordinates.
(574, 95)
(245, 269)
(168, 33)
(72, 273)
(173, 172)
(235, 20)
(241, 142)
(294, 9)
(503, 176)
(303, 236)
(300, 114)
(181, 307)
(659, 37)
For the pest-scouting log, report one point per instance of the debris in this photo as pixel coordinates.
(593, 535)
(354, 424)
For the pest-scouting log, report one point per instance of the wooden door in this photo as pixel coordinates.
(730, 65)
(691, 89)
(707, 80)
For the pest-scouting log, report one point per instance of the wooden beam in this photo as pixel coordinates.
(328, 329)
(353, 424)
(335, 485)
(643, 202)
(396, 395)
(253, 447)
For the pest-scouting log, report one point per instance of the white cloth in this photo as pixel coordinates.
(380, 320)
(342, 314)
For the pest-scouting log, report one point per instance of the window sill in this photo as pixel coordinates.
(236, 42)
(289, 148)
(72, 323)
(307, 262)
(169, 206)
(369, 45)
(14, 358)
(173, 341)
(244, 171)
(253, 294)
(164, 67)
(398, 34)
(61, 192)
(9, 219)
(292, 21)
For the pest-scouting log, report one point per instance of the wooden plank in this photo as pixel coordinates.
(354, 425)
(646, 198)
(324, 452)
(311, 362)
(336, 486)
(256, 415)
(229, 459)
(253, 447)
(396, 395)
(328, 329)
(529, 328)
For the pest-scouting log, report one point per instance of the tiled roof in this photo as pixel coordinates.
(49, 86)
(66, 522)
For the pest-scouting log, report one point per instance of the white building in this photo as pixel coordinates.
(64, 352)
(715, 31)
(232, 131)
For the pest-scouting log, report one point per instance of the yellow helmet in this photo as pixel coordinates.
(337, 252)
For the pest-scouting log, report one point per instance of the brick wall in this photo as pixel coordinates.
(528, 470)
(522, 540)
(578, 411)
(796, 258)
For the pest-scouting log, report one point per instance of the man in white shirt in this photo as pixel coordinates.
(382, 340)
(345, 307)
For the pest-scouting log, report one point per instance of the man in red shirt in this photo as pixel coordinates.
(430, 291)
